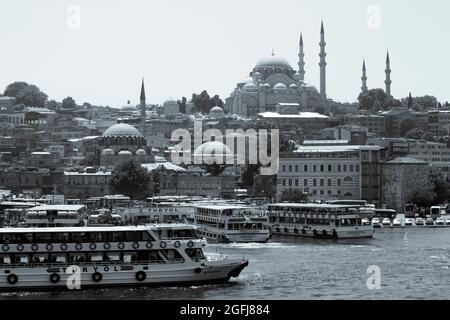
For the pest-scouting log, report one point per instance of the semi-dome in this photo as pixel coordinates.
(280, 86)
(121, 129)
(273, 61)
(141, 152)
(125, 153)
(293, 86)
(107, 152)
(267, 85)
(216, 109)
(250, 87)
(212, 148)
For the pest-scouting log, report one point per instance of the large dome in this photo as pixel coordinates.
(213, 148)
(273, 61)
(120, 130)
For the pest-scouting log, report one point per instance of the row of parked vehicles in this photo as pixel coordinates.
(408, 222)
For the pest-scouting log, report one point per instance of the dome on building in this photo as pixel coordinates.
(107, 152)
(293, 86)
(250, 86)
(273, 61)
(246, 80)
(121, 129)
(212, 148)
(267, 85)
(216, 111)
(125, 153)
(141, 152)
(170, 101)
(280, 86)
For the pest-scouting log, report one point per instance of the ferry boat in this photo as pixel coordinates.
(230, 223)
(323, 221)
(45, 258)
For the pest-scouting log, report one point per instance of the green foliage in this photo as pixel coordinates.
(69, 103)
(415, 134)
(249, 174)
(215, 169)
(376, 100)
(420, 103)
(203, 102)
(28, 94)
(264, 186)
(294, 196)
(132, 180)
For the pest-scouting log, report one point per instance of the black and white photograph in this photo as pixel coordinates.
(209, 150)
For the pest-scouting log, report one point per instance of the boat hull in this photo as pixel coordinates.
(227, 236)
(39, 278)
(324, 232)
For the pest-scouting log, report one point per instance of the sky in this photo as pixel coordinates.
(97, 51)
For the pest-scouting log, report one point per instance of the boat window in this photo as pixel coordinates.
(22, 259)
(40, 258)
(195, 254)
(113, 256)
(132, 236)
(97, 237)
(5, 259)
(95, 257)
(61, 237)
(130, 256)
(43, 237)
(147, 236)
(77, 257)
(171, 254)
(116, 236)
(80, 237)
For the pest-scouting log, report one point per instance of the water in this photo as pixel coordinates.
(414, 264)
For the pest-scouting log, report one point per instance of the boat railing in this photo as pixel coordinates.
(88, 264)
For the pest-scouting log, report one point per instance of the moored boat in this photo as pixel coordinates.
(50, 258)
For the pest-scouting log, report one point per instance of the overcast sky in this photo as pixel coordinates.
(185, 46)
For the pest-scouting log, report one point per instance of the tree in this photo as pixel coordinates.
(368, 99)
(215, 169)
(32, 96)
(203, 102)
(294, 196)
(69, 103)
(441, 188)
(14, 88)
(420, 103)
(427, 136)
(52, 105)
(264, 186)
(415, 134)
(132, 180)
(182, 105)
(249, 174)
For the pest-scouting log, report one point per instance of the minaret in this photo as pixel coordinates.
(388, 81)
(323, 65)
(142, 106)
(301, 60)
(364, 78)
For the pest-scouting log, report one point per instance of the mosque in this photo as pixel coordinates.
(273, 83)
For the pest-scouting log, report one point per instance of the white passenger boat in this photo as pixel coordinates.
(230, 223)
(318, 221)
(50, 258)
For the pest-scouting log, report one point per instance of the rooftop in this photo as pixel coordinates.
(406, 160)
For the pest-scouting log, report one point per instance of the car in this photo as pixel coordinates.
(440, 222)
(376, 223)
(397, 223)
(409, 222)
(386, 222)
(420, 222)
(365, 222)
(429, 222)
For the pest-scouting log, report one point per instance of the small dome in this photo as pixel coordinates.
(170, 101)
(121, 129)
(212, 148)
(280, 86)
(267, 85)
(107, 152)
(250, 87)
(216, 109)
(141, 152)
(125, 153)
(246, 80)
(293, 86)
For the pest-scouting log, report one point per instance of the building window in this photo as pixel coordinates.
(305, 182)
(339, 182)
(290, 182)
(283, 168)
(357, 168)
(296, 182)
(284, 182)
(351, 168)
(296, 168)
(348, 179)
(322, 192)
(345, 168)
(329, 192)
(314, 168)
(330, 168)
(329, 182)
(322, 182)
(305, 168)
(322, 169)
(339, 168)
(314, 182)
(290, 168)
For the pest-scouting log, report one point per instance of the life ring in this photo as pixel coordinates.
(20, 247)
(121, 245)
(177, 244)
(63, 246)
(163, 244)
(277, 229)
(107, 246)
(198, 270)
(5, 247)
(135, 245)
(54, 278)
(190, 244)
(78, 246)
(92, 246)
(12, 279)
(315, 232)
(141, 276)
(149, 245)
(286, 230)
(296, 230)
(303, 231)
(49, 247)
(34, 247)
(97, 277)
